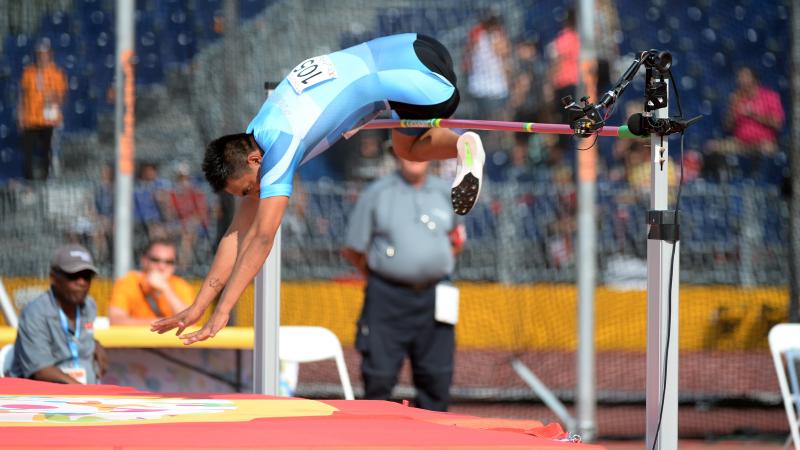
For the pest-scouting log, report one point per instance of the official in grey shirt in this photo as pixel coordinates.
(55, 340)
(404, 229)
(401, 237)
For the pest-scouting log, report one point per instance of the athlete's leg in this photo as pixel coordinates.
(418, 144)
(434, 145)
(441, 143)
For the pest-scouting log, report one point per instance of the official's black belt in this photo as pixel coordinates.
(416, 287)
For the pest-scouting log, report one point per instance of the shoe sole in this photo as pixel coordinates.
(464, 195)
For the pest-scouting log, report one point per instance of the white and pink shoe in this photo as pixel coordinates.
(467, 185)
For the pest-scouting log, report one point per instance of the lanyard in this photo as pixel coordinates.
(72, 340)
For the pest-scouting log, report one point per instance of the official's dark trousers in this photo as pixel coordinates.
(398, 320)
(37, 152)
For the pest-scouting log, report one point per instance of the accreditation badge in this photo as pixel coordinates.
(446, 303)
(51, 112)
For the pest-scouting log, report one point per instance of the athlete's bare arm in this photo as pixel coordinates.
(218, 274)
(253, 251)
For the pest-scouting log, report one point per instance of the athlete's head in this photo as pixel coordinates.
(231, 163)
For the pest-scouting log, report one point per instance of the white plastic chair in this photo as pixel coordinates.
(6, 358)
(784, 343)
(7, 307)
(302, 344)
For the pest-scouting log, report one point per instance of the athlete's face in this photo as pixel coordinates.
(247, 184)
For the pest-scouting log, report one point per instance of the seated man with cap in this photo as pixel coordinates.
(55, 340)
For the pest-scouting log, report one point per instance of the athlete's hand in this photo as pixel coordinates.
(210, 329)
(183, 319)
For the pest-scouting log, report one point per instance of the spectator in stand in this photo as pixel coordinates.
(103, 214)
(754, 118)
(139, 297)
(487, 65)
(530, 96)
(43, 88)
(189, 210)
(564, 52)
(606, 33)
(149, 200)
(55, 340)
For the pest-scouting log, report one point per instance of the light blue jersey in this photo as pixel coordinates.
(325, 96)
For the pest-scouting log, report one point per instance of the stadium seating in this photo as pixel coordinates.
(708, 43)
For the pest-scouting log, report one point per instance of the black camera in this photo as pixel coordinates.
(584, 119)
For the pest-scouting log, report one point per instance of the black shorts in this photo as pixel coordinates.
(434, 56)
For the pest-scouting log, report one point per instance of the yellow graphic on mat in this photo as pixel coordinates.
(36, 410)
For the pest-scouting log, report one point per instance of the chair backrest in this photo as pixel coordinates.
(784, 344)
(6, 358)
(7, 307)
(302, 344)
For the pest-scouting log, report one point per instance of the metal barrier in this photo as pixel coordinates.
(520, 232)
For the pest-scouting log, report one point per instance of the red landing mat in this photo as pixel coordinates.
(53, 416)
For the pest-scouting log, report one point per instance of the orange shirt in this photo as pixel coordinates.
(128, 295)
(41, 87)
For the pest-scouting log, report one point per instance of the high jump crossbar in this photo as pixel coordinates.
(492, 125)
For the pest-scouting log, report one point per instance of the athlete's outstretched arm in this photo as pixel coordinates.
(218, 274)
(253, 251)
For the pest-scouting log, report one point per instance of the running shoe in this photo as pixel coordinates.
(467, 185)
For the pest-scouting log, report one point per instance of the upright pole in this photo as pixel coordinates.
(586, 401)
(231, 61)
(794, 174)
(266, 355)
(662, 296)
(266, 364)
(230, 125)
(227, 202)
(124, 138)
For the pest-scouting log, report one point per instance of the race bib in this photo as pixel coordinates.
(79, 373)
(311, 72)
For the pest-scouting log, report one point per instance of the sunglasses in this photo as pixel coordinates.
(159, 260)
(85, 274)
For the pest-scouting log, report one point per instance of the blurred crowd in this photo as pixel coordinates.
(524, 80)
(176, 209)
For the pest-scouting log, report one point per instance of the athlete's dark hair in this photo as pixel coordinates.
(226, 157)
